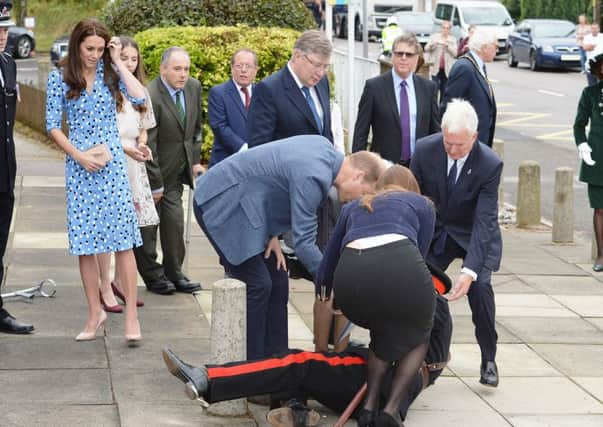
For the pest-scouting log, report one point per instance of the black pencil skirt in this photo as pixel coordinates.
(388, 290)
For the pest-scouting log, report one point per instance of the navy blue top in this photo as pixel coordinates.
(406, 213)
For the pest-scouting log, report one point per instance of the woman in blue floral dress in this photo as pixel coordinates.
(100, 211)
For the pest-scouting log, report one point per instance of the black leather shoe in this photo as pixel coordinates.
(489, 374)
(366, 418)
(161, 286)
(10, 325)
(195, 378)
(184, 285)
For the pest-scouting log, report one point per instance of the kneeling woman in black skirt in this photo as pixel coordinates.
(374, 263)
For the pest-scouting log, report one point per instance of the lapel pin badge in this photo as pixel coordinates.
(469, 172)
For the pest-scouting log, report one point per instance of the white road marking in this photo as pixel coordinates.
(548, 92)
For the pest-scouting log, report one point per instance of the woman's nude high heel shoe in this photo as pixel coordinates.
(89, 336)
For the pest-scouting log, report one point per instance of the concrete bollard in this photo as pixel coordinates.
(499, 147)
(528, 194)
(563, 206)
(229, 335)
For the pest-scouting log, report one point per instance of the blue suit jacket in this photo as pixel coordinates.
(227, 119)
(467, 82)
(254, 195)
(279, 110)
(470, 214)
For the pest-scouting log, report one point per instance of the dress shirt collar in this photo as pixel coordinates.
(459, 163)
(478, 61)
(239, 87)
(410, 81)
(171, 90)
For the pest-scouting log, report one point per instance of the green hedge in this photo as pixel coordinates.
(210, 49)
(133, 16)
(552, 9)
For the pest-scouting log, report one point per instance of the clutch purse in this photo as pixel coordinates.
(101, 152)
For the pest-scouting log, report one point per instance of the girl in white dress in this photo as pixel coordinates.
(132, 122)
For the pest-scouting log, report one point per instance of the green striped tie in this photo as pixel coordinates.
(180, 109)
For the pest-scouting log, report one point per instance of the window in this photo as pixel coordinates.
(443, 11)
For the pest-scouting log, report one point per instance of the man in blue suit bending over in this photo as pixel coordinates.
(461, 176)
(227, 106)
(246, 201)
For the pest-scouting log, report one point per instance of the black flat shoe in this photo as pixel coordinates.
(185, 286)
(366, 418)
(386, 420)
(489, 374)
(10, 325)
(195, 378)
(161, 286)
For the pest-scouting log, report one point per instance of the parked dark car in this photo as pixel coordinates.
(59, 49)
(420, 23)
(544, 43)
(21, 42)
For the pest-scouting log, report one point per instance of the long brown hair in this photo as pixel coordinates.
(395, 179)
(138, 72)
(72, 63)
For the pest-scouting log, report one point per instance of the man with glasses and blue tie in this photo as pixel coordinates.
(460, 175)
(398, 105)
(294, 100)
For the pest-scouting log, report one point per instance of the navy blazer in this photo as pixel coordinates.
(377, 109)
(467, 82)
(279, 110)
(470, 214)
(248, 198)
(227, 118)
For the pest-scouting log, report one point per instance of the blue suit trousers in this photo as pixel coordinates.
(481, 299)
(267, 296)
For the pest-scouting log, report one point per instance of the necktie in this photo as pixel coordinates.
(180, 108)
(451, 178)
(404, 122)
(306, 92)
(246, 93)
(485, 73)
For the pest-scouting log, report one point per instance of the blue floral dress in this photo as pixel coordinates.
(100, 210)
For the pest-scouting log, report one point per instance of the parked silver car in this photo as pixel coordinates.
(420, 23)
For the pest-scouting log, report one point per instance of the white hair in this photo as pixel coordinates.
(481, 37)
(460, 115)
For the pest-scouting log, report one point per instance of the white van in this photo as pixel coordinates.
(490, 15)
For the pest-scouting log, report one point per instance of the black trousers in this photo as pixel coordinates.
(481, 299)
(7, 202)
(267, 296)
(332, 379)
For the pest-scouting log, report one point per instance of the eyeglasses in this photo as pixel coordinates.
(317, 65)
(244, 66)
(402, 54)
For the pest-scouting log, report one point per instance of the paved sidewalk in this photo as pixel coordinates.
(549, 320)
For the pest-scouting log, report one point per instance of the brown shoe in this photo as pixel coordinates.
(283, 417)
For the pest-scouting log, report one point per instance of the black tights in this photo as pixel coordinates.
(404, 372)
(598, 226)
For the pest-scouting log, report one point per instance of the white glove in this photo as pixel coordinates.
(584, 151)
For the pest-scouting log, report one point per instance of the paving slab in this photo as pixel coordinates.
(585, 306)
(44, 414)
(597, 321)
(518, 305)
(575, 253)
(59, 353)
(552, 330)
(576, 360)
(467, 418)
(566, 285)
(537, 261)
(57, 386)
(463, 331)
(556, 420)
(513, 360)
(593, 385)
(40, 240)
(537, 395)
(511, 284)
(160, 415)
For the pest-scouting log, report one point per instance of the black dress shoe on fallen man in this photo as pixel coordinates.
(184, 285)
(10, 325)
(195, 378)
(161, 286)
(489, 374)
